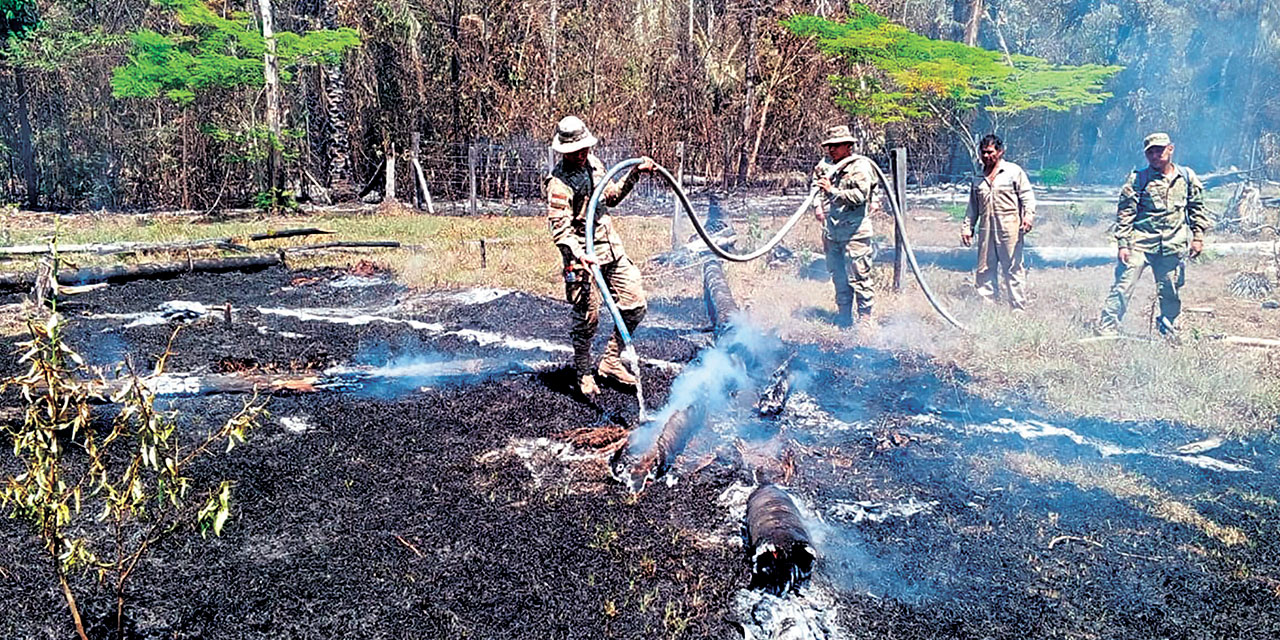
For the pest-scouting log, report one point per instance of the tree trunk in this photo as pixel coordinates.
(26, 151)
(271, 77)
(750, 78)
(335, 88)
(553, 72)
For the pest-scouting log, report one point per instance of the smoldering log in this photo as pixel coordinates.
(774, 396)
(638, 470)
(154, 270)
(782, 555)
(721, 306)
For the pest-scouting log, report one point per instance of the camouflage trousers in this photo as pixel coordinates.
(850, 265)
(1000, 259)
(627, 288)
(1169, 275)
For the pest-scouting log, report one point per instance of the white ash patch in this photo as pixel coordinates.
(872, 511)
(802, 411)
(296, 424)
(477, 295)
(549, 462)
(352, 282)
(267, 331)
(1036, 429)
(808, 613)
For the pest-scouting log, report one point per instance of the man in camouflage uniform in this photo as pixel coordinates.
(846, 229)
(569, 189)
(1001, 210)
(1160, 222)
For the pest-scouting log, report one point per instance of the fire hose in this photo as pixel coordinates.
(628, 352)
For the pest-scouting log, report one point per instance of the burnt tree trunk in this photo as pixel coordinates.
(26, 151)
(271, 77)
(339, 142)
(750, 79)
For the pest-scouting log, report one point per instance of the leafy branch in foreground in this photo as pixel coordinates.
(98, 490)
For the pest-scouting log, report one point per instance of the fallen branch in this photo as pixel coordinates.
(409, 545)
(358, 244)
(114, 248)
(1246, 341)
(125, 273)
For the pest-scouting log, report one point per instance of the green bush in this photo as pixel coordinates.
(1059, 175)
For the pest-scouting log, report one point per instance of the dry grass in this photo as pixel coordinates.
(1127, 487)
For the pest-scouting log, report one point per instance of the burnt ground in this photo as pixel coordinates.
(450, 507)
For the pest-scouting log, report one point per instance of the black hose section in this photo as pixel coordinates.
(911, 255)
(697, 224)
(899, 225)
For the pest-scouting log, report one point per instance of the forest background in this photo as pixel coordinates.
(150, 104)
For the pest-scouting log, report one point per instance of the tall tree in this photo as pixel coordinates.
(17, 19)
(915, 78)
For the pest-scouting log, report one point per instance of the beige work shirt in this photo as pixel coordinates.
(1005, 199)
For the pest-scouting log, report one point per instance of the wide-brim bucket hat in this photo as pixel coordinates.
(572, 135)
(838, 134)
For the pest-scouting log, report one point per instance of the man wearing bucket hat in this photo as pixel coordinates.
(1160, 222)
(1002, 209)
(846, 229)
(569, 189)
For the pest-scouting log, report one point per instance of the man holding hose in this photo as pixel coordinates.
(841, 207)
(569, 188)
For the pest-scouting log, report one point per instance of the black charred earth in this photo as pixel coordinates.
(449, 484)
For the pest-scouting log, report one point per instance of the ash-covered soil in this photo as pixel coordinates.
(477, 505)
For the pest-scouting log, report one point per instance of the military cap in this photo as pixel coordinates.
(1156, 140)
(571, 135)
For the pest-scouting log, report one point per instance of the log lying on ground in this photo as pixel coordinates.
(774, 396)
(357, 244)
(781, 553)
(125, 273)
(637, 470)
(721, 306)
(112, 248)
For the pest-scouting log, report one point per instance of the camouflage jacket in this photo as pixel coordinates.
(1159, 214)
(567, 213)
(846, 205)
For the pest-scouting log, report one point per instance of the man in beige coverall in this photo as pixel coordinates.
(569, 189)
(1002, 210)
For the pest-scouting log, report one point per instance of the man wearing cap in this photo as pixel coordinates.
(1160, 221)
(1002, 209)
(569, 189)
(846, 182)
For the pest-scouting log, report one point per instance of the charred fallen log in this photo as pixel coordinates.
(124, 273)
(721, 306)
(781, 553)
(774, 397)
(637, 470)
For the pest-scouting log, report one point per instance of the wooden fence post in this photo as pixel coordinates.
(389, 195)
(898, 165)
(677, 212)
(472, 207)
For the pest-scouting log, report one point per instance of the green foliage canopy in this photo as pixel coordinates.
(17, 17)
(919, 77)
(216, 52)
